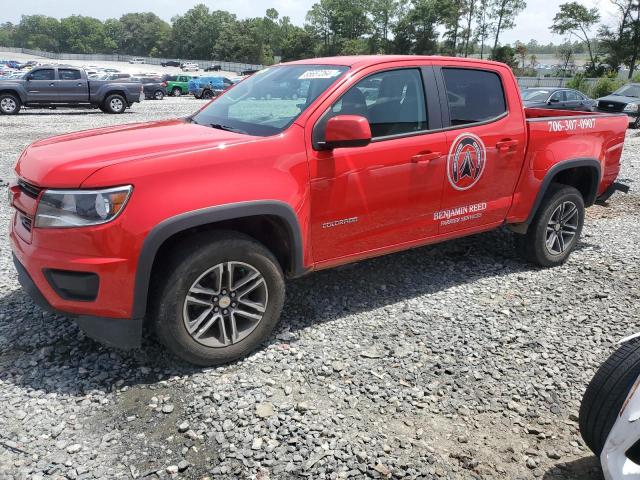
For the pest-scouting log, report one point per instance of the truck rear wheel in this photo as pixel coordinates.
(555, 229)
(217, 298)
(606, 393)
(9, 104)
(115, 104)
(207, 94)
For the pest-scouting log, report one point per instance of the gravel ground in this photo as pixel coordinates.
(452, 361)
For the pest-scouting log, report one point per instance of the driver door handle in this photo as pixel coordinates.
(425, 157)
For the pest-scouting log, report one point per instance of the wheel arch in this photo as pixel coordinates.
(280, 217)
(21, 96)
(581, 173)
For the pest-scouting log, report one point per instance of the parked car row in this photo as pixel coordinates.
(624, 100)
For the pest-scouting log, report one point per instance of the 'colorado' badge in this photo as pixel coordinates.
(466, 161)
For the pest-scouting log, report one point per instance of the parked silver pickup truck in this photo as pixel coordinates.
(66, 86)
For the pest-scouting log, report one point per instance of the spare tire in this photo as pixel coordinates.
(606, 393)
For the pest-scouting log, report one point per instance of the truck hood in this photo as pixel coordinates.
(65, 161)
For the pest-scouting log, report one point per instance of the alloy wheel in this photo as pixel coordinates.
(562, 228)
(225, 304)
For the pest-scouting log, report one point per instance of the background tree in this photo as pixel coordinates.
(504, 13)
(383, 14)
(38, 32)
(578, 20)
(143, 32)
(483, 24)
(469, 15)
(521, 51)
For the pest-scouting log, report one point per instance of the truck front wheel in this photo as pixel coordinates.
(217, 298)
(555, 229)
(115, 104)
(9, 104)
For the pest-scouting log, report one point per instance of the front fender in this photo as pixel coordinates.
(185, 221)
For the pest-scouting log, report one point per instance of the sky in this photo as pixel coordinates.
(532, 23)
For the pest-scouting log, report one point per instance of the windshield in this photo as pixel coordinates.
(270, 100)
(629, 91)
(535, 95)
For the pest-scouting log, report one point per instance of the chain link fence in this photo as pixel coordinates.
(550, 82)
(98, 57)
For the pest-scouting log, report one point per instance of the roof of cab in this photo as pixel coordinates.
(368, 60)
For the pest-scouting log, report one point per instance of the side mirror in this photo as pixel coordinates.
(553, 100)
(28, 77)
(344, 131)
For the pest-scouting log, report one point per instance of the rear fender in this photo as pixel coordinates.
(553, 172)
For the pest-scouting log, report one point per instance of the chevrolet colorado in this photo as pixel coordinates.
(190, 226)
(66, 86)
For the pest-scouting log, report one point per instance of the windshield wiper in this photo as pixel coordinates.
(227, 128)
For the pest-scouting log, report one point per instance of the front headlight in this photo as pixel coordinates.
(631, 107)
(79, 208)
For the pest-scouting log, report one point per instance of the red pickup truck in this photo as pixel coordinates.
(193, 224)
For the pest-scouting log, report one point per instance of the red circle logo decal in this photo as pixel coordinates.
(466, 161)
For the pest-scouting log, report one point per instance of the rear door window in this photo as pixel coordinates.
(473, 95)
(572, 96)
(68, 74)
(43, 74)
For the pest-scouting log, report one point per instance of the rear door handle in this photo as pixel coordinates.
(51, 84)
(425, 157)
(505, 145)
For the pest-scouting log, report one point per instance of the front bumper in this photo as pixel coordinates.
(113, 332)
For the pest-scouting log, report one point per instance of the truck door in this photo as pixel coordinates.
(41, 86)
(485, 147)
(381, 195)
(71, 86)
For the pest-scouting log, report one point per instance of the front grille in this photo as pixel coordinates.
(26, 222)
(607, 106)
(29, 189)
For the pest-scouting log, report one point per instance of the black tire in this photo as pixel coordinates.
(176, 92)
(115, 104)
(158, 95)
(636, 124)
(606, 393)
(9, 104)
(178, 275)
(207, 95)
(532, 245)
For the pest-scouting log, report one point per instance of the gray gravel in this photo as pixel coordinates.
(452, 361)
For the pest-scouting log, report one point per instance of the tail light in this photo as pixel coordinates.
(164, 84)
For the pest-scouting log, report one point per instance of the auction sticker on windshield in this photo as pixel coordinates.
(318, 74)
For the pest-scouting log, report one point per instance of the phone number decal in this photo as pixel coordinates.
(571, 125)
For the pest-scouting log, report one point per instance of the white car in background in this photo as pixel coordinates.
(190, 67)
(136, 60)
(610, 412)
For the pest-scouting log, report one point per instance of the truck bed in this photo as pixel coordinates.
(555, 136)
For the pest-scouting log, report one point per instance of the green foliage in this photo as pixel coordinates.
(636, 78)
(506, 55)
(579, 82)
(605, 86)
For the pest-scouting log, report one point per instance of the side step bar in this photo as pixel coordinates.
(613, 188)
